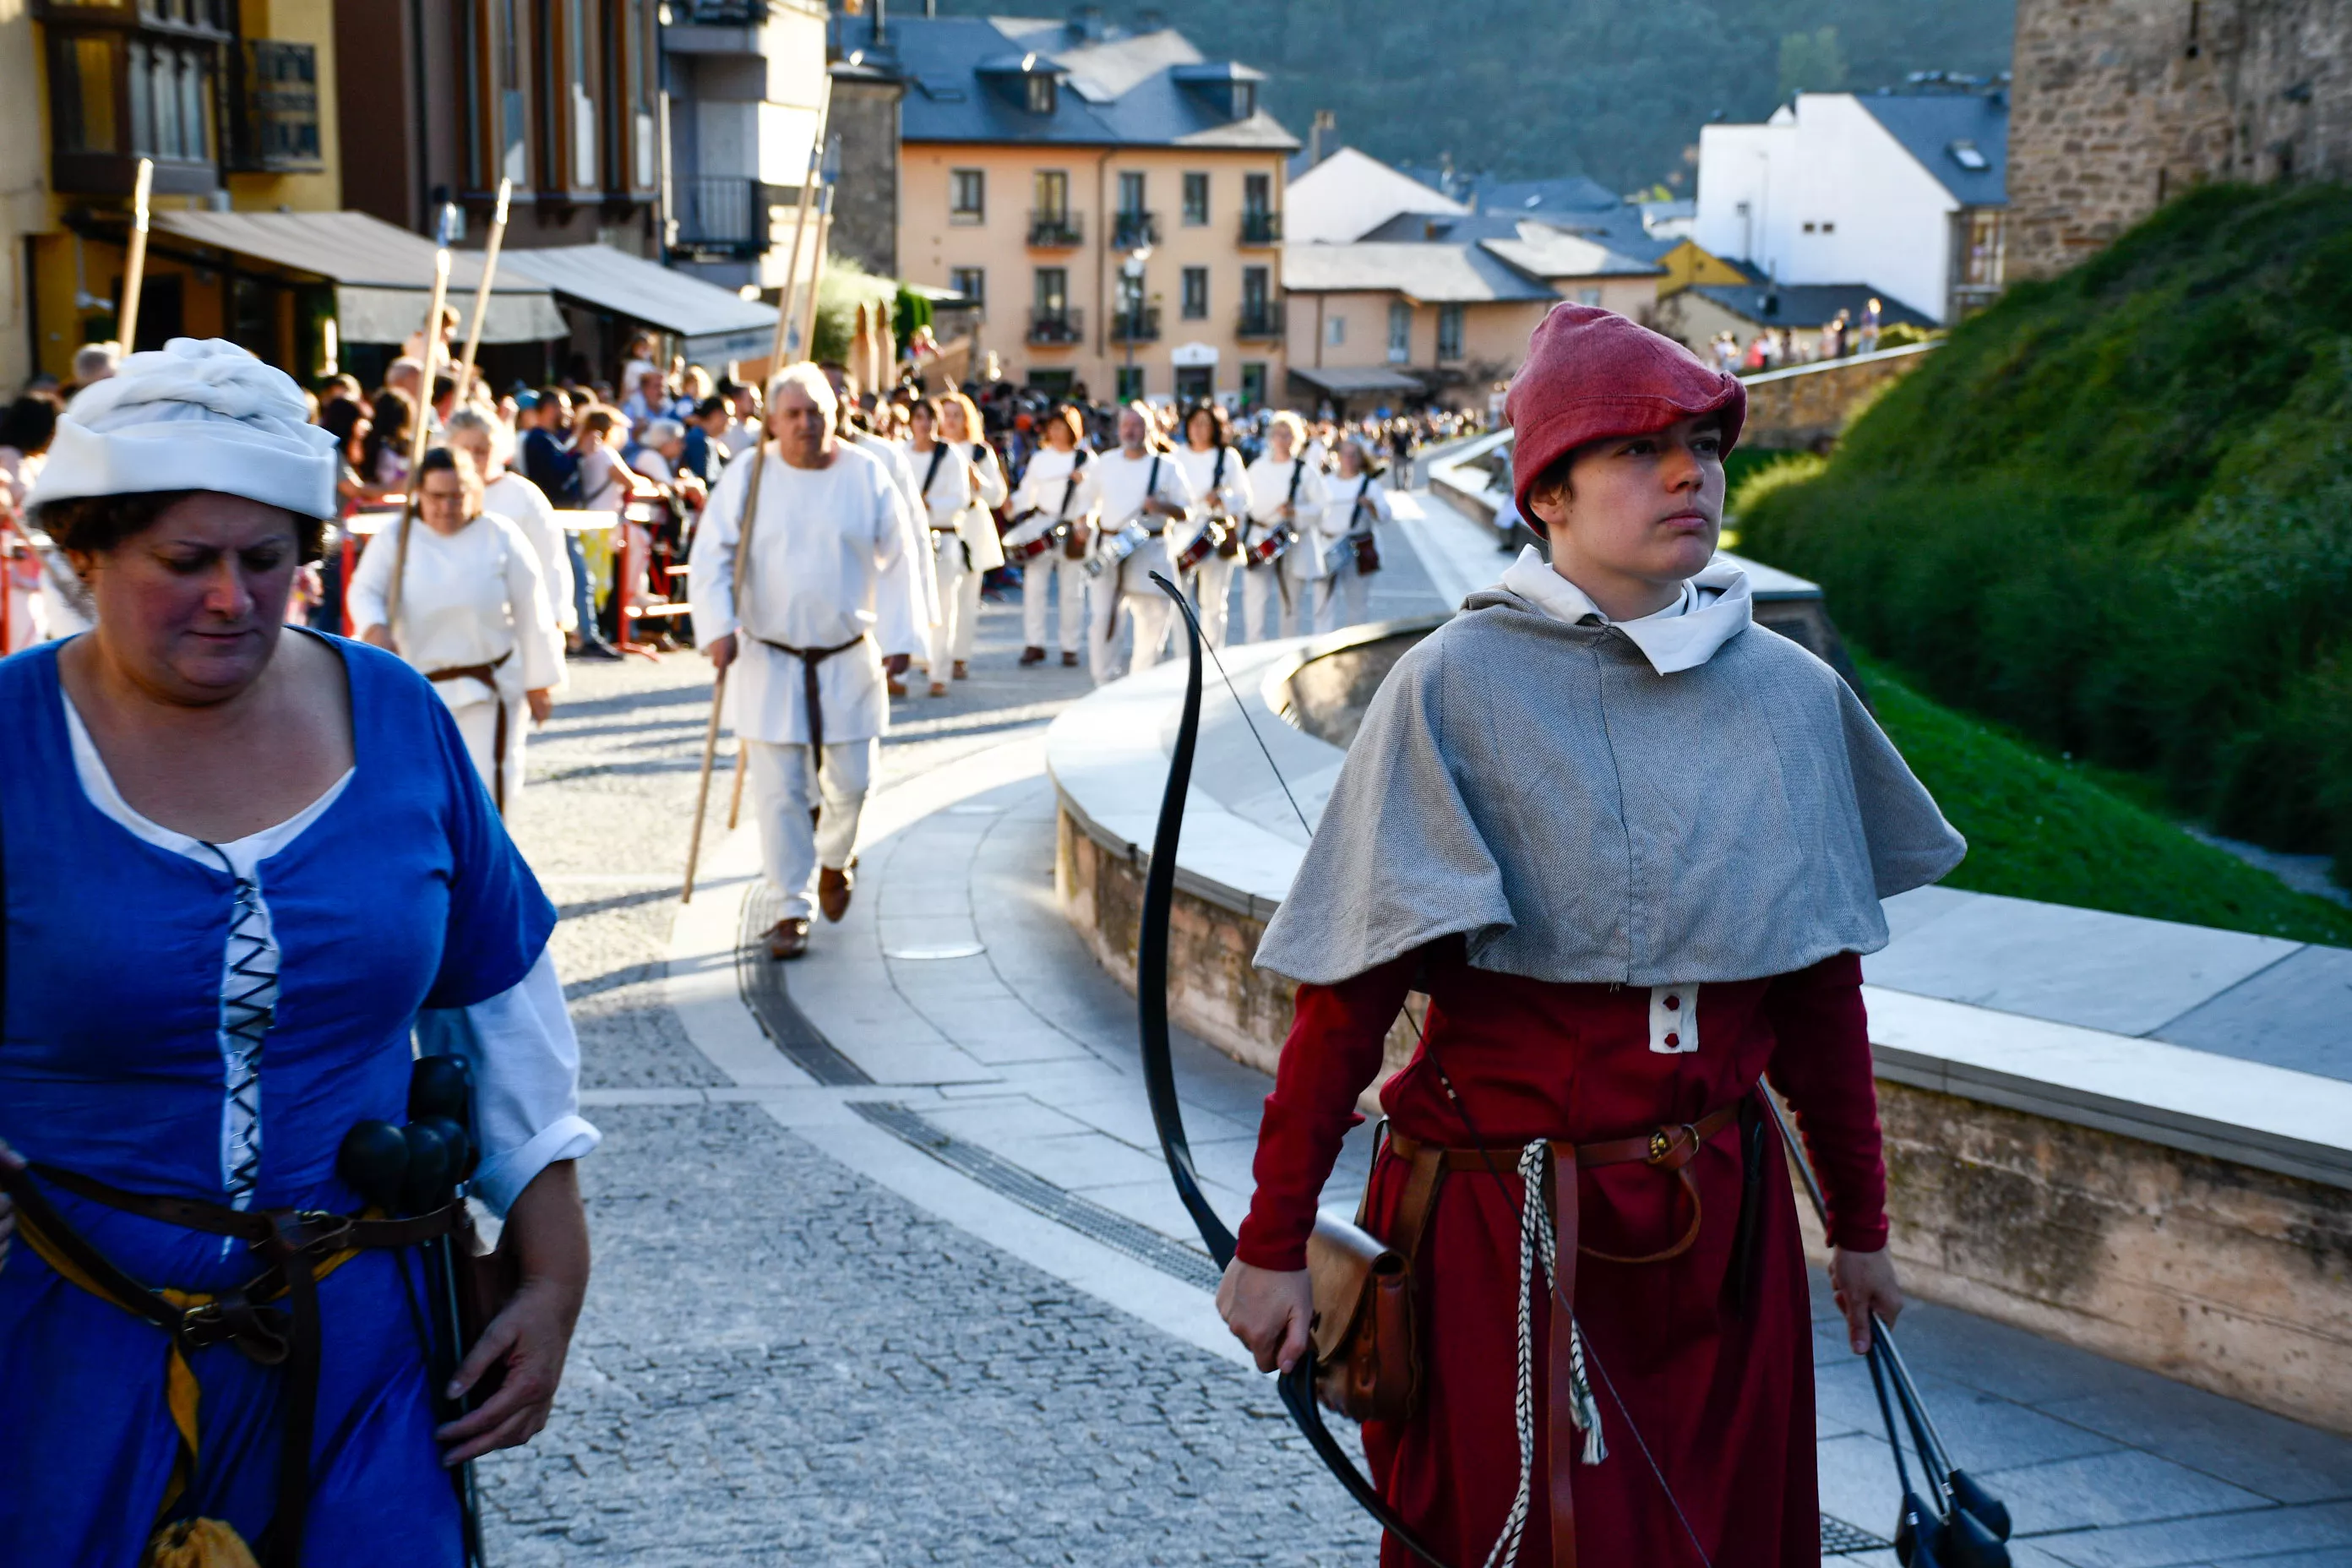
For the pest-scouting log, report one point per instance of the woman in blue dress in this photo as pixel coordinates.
(238, 861)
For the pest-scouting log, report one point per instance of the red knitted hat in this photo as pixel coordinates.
(1591, 374)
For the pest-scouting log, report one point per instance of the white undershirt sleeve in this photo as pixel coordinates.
(526, 1062)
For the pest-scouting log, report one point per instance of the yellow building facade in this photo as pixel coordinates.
(233, 102)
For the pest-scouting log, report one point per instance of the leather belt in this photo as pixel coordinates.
(303, 1246)
(487, 674)
(1671, 1146)
(810, 658)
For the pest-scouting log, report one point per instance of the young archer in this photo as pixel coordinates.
(1631, 846)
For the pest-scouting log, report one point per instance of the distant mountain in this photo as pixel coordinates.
(1613, 88)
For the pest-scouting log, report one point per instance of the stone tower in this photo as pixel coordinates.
(2119, 104)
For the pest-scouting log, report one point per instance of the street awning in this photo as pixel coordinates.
(382, 275)
(717, 323)
(1356, 380)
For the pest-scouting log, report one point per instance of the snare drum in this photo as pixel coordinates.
(1030, 548)
(1272, 547)
(1117, 547)
(1209, 542)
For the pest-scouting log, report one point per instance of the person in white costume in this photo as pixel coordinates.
(944, 482)
(983, 548)
(1053, 494)
(1139, 488)
(1220, 480)
(902, 475)
(473, 617)
(523, 503)
(831, 598)
(1287, 492)
(1344, 596)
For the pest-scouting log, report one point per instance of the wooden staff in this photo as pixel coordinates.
(759, 455)
(785, 304)
(134, 272)
(816, 278)
(482, 291)
(416, 429)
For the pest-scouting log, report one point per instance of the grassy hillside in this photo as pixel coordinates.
(2116, 513)
(1530, 89)
(2040, 826)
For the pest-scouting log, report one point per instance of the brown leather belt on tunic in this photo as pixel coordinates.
(1669, 1147)
(301, 1247)
(487, 674)
(810, 658)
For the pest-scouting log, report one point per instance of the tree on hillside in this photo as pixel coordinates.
(1526, 89)
(1812, 62)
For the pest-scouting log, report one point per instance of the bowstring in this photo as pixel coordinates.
(1656, 1473)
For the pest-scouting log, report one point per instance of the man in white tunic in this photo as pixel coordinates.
(1137, 489)
(831, 598)
(524, 504)
(1218, 477)
(472, 616)
(902, 475)
(1287, 492)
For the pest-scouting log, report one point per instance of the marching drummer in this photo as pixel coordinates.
(1220, 478)
(1278, 557)
(1143, 491)
(1054, 528)
(943, 480)
(472, 614)
(984, 549)
(1350, 554)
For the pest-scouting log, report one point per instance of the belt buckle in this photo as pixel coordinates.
(312, 1231)
(1664, 1139)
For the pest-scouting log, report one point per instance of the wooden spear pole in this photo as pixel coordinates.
(759, 456)
(134, 270)
(816, 278)
(482, 291)
(417, 426)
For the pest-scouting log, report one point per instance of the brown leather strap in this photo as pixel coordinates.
(810, 658)
(1559, 1405)
(487, 674)
(313, 1231)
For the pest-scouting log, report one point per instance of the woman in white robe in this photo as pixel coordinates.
(473, 617)
(521, 502)
(943, 483)
(1344, 598)
(1052, 497)
(984, 551)
(1221, 480)
(1287, 491)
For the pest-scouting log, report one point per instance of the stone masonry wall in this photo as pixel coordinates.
(865, 195)
(2118, 105)
(1807, 408)
(2231, 1278)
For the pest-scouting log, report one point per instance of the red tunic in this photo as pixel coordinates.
(1721, 1397)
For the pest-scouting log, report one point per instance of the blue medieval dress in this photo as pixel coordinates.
(208, 1022)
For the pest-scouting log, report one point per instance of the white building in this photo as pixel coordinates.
(1350, 193)
(1904, 191)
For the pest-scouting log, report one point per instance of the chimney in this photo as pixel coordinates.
(881, 25)
(1325, 120)
(1086, 23)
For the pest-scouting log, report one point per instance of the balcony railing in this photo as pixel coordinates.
(722, 217)
(1055, 231)
(721, 13)
(1135, 324)
(1059, 326)
(1129, 231)
(1259, 319)
(1261, 227)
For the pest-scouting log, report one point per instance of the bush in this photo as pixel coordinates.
(2116, 511)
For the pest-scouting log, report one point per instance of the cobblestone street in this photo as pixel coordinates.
(782, 1361)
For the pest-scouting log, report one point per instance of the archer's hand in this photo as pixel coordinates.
(1269, 1311)
(721, 652)
(1865, 1286)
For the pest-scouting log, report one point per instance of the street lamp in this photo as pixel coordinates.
(1132, 271)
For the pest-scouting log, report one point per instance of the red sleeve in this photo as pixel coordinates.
(1822, 1067)
(1333, 1053)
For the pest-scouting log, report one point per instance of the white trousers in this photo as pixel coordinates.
(477, 724)
(967, 614)
(1284, 585)
(1214, 596)
(947, 551)
(1150, 608)
(784, 786)
(1343, 601)
(1036, 574)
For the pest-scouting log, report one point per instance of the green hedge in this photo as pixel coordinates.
(2115, 511)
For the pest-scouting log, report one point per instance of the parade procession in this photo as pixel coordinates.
(710, 854)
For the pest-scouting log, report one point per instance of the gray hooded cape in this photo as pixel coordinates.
(1539, 789)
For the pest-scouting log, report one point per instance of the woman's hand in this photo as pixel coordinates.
(14, 1162)
(530, 1338)
(542, 703)
(1865, 1287)
(1269, 1311)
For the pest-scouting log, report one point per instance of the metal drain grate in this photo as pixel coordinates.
(762, 980)
(1038, 1195)
(1838, 1536)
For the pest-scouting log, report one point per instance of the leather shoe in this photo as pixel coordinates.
(1033, 655)
(833, 890)
(789, 937)
(1069, 660)
(938, 689)
(960, 672)
(898, 687)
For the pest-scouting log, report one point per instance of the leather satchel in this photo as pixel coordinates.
(487, 1280)
(1365, 1336)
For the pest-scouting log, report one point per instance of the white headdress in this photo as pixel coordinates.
(198, 415)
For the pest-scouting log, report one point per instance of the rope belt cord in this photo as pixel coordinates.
(810, 658)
